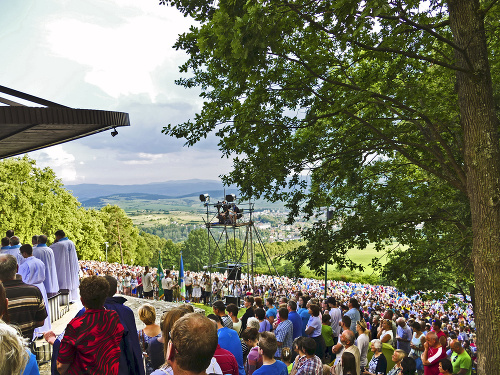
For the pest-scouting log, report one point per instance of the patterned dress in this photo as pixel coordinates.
(91, 344)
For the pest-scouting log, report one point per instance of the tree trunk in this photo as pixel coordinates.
(482, 160)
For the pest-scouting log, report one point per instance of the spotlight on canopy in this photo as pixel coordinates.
(230, 198)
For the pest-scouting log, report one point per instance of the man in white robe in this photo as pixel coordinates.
(46, 255)
(13, 249)
(32, 272)
(67, 266)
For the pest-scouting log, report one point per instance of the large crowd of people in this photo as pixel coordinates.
(287, 326)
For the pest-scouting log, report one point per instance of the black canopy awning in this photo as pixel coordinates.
(24, 129)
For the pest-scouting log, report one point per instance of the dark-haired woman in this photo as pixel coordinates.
(91, 343)
(348, 364)
(254, 360)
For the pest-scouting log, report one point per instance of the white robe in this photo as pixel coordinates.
(67, 266)
(46, 255)
(32, 272)
(14, 250)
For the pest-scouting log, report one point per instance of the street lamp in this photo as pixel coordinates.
(106, 251)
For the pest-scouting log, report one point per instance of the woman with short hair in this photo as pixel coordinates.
(378, 363)
(147, 314)
(397, 357)
(91, 343)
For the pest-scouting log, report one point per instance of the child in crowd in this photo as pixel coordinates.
(327, 333)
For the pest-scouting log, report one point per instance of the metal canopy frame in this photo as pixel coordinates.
(24, 128)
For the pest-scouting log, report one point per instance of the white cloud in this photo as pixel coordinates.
(62, 162)
(120, 57)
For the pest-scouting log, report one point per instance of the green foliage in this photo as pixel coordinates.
(361, 96)
(35, 202)
(175, 232)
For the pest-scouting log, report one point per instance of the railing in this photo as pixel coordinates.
(58, 306)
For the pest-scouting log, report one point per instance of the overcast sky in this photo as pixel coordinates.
(112, 55)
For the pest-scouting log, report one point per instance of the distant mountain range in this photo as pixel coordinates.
(153, 191)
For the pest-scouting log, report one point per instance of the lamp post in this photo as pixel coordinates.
(106, 251)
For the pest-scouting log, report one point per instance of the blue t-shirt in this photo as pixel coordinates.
(272, 312)
(31, 367)
(304, 315)
(297, 323)
(229, 340)
(277, 368)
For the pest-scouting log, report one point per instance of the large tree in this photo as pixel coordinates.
(354, 92)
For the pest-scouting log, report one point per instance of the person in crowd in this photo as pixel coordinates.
(408, 366)
(335, 317)
(353, 313)
(253, 361)
(158, 361)
(404, 335)
(253, 322)
(140, 286)
(271, 311)
(327, 333)
(385, 334)
(378, 363)
(26, 307)
(176, 289)
(225, 358)
(219, 309)
(433, 352)
(309, 364)
(188, 282)
(436, 327)
(46, 255)
(249, 312)
(374, 326)
(12, 247)
(445, 367)
(313, 330)
(207, 283)
(362, 342)
(287, 358)
(147, 283)
(130, 350)
(91, 343)
(67, 266)
(284, 332)
(267, 349)
(232, 311)
(147, 314)
(264, 323)
(347, 339)
(127, 282)
(348, 364)
(460, 359)
(417, 346)
(294, 318)
(229, 340)
(192, 345)
(196, 289)
(5, 245)
(397, 357)
(16, 357)
(32, 272)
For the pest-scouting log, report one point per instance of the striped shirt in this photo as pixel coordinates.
(26, 306)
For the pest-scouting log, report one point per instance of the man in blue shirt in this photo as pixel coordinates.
(353, 313)
(271, 311)
(229, 340)
(295, 319)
